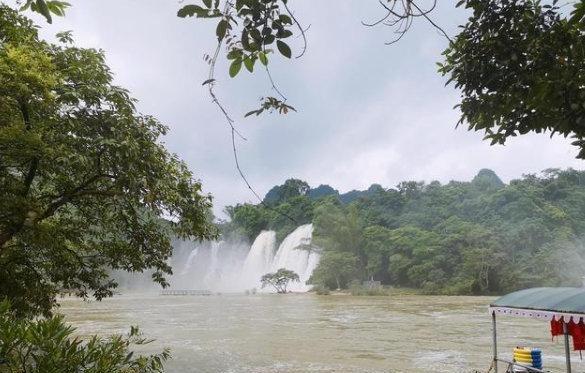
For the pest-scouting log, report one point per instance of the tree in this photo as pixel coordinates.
(290, 189)
(85, 184)
(322, 191)
(279, 280)
(335, 270)
(378, 249)
(338, 228)
(519, 65)
(49, 346)
(249, 219)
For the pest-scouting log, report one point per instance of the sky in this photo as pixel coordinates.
(367, 112)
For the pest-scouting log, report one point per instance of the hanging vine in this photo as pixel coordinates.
(248, 30)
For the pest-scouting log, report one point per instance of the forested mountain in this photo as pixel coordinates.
(476, 237)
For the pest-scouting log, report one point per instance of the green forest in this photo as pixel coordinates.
(89, 188)
(476, 237)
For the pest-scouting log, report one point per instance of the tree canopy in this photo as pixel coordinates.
(520, 67)
(279, 280)
(291, 188)
(87, 186)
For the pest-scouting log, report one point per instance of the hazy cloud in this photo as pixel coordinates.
(368, 113)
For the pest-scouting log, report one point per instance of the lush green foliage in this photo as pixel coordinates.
(475, 237)
(463, 238)
(86, 186)
(279, 280)
(47, 8)
(281, 193)
(251, 30)
(284, 208)
(48, 346)
(336, 270)
(519, 65)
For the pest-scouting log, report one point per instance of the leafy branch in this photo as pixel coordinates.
(46, 8)
(261, 24)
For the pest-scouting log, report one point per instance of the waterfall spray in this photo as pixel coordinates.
(233, 267)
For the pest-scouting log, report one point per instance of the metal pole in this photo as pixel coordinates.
(567, 349)
(495, 342)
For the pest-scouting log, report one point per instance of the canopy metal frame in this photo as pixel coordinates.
(496, 359)
(561, 304)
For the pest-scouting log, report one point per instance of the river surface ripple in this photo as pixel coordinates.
(268, 333)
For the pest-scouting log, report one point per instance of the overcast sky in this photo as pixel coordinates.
(368, 113)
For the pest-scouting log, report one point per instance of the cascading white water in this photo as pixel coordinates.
(312, 263)
(258, 260)
(233, 266)
(189, 262)
(213, 274)
(293, 254)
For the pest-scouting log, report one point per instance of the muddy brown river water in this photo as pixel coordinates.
(268, 333)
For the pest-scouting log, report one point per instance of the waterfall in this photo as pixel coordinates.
(293, 255)
(234, 266)
(312, 263)
(213, 273)
(259, 259)
(189, 262)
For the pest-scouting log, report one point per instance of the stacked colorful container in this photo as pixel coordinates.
(528, 356)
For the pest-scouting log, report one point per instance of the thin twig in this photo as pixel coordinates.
(250, 186)
(211, 85)
(403, 17)
(290, 13)
(231, 122)
(425, 15)
(274, 86)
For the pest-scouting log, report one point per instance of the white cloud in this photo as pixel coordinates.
(368, 113)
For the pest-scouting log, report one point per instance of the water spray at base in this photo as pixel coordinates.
(231, 267)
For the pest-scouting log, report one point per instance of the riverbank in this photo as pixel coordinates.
(361, 290)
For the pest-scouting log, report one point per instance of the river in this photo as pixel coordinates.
(268, 333)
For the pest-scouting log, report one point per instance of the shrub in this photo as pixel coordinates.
(321, 290)
(48, 346)
(357, 288)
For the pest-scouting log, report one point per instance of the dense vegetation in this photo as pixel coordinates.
(475, 237)
(85, 187)
(86, 183)
(519, 66)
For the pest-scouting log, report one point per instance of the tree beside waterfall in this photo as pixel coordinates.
(279, 280)
(86, 184)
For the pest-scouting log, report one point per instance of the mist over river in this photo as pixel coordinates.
(310, 333)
